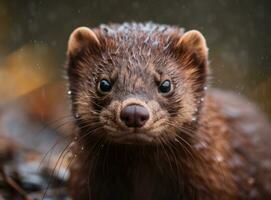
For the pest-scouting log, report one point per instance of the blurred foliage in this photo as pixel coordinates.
(24, 70)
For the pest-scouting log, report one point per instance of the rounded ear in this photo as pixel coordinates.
(80, 39)
(192, 43)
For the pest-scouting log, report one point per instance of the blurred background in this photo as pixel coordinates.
(33, 37)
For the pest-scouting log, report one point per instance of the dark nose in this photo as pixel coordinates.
(134, 116)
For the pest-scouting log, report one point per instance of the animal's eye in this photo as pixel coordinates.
(105, 85)
(165, 86)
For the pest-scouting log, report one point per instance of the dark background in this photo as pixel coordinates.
(237, 32)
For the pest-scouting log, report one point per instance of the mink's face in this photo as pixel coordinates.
(134, 89)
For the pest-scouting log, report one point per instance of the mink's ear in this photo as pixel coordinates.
(193, 48)
(80, 39)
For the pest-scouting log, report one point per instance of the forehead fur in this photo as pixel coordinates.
(137, 42)
(131, 35)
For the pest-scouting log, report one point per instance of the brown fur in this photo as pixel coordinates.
(196, 145)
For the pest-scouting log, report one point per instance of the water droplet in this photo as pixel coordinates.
(200, 145)
(75, 138)
(77, 115)
(219, 158)
(155, 43)
(82, 148)
(69, 92)
(70, 155)
(194, 118)
(202, 99)
(250, 181)
(205, 88)
(75, 155)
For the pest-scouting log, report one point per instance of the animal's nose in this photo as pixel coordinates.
(134, 116)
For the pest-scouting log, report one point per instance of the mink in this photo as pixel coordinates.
(149, 127)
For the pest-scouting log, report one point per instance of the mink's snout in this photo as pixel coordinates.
(134, 116)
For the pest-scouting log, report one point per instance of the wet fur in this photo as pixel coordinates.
(200, 150)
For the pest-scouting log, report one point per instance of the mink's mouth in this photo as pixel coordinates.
(126, 135)
(132, 137)
(140, 136)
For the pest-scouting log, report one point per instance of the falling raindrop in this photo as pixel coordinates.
(69, 92)
(82, 148)
(251, 181)
(205, 88)
(38, 65)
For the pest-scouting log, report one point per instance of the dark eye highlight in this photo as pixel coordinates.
(105, 85)
(165, 87)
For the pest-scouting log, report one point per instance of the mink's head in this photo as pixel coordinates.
(136, 83)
